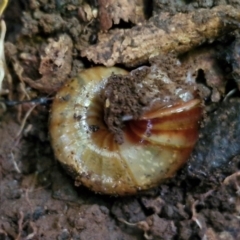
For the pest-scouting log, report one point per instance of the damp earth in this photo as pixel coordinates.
(39, 200)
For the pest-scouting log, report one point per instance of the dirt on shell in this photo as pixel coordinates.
(123, 102)
(128, 97)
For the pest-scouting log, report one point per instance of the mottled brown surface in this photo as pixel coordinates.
(55, 65)
(208, 60)
(163, 34)
(127, 10)
(187, 6)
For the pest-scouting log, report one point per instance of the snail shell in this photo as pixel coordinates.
(84, 145)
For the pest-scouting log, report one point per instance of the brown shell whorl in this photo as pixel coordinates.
(154, 147)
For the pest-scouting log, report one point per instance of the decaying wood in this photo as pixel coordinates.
(127, 10)
(162, 34)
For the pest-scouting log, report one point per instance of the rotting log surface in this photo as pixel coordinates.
(163, 33)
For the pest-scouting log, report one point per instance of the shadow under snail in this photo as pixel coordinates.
(154, 145)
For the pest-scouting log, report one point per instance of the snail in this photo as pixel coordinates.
(153, 146)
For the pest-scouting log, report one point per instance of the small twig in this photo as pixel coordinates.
(233, 91)
(34, 228)
(23, 90)
(231, 178)
(143, 225)
(20, 225)
(207, 194)
(3, 232)
(194, 214)
(2, 56)
(14, 163)
(28, 200)
(24, 120)
(126, 222)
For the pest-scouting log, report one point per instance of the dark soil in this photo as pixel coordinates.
(38, 200)
(126, 101)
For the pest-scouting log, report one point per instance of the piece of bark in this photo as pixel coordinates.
(187, 6)
(163, 34)
(207, 60)
(128, 10)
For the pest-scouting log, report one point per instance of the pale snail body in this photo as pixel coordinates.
(83, 144)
